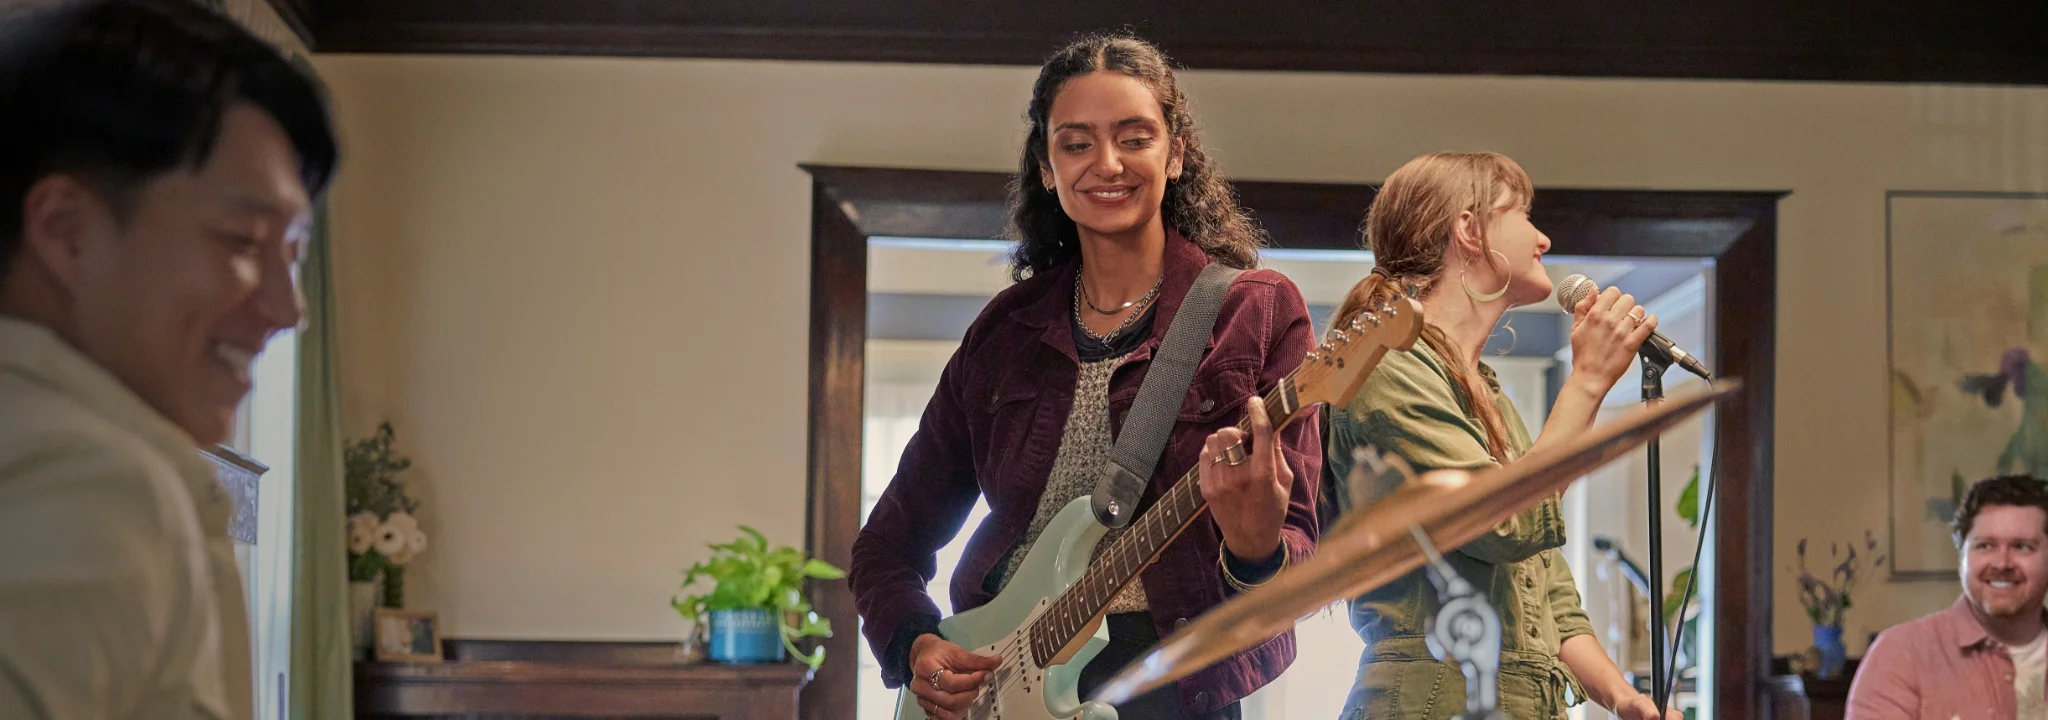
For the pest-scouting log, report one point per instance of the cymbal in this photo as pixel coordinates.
(1373, 546)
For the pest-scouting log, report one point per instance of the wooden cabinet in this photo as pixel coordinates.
(554, 679)
(1805, 697)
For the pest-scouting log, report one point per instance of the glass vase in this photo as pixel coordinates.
(362, 610)
(394, 587)
(1833, 655)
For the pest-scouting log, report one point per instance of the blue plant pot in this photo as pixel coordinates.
(1828, 640)
(745, 636)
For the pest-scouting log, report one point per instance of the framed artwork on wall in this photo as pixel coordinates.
(1967, 323)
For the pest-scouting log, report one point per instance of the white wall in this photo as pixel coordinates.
(579, 285)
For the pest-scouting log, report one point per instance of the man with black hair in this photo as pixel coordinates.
(1986, 656)
(157, 167)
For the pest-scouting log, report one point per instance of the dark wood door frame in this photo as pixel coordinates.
(1738, 230)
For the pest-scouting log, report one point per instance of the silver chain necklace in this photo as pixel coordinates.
(1139, 303)
(1120, 308)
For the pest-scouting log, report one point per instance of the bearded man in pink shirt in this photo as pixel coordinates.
(1985, 656)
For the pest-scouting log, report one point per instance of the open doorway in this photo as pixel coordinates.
(1724, 238)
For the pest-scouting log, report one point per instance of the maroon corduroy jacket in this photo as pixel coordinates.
(994, 425)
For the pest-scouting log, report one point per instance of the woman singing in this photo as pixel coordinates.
(1453, 230)
(1117, 209)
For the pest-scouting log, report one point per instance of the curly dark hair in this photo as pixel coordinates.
(1199, 204)
(2008, 490)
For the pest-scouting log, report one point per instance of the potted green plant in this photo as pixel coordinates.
(383, 533)
(757, 609)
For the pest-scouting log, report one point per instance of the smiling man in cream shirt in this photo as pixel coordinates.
(157, 164)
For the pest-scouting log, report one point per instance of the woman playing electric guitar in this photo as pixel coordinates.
(1117, 210)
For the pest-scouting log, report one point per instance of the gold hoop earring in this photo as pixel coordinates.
(1492, 296)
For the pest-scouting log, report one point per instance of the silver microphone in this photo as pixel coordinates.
(1578, 287)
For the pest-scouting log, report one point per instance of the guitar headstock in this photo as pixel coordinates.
(1337, 368)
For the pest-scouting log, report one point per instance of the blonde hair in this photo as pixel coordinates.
(1409, 230)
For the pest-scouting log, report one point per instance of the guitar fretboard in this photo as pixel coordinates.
(1118, 565)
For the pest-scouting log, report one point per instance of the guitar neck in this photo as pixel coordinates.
(1119, 564)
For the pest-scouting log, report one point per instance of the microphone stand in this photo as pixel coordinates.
(1654, 366)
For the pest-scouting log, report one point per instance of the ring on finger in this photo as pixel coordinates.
(1233, 455)
(1638, 315)
(934, 677)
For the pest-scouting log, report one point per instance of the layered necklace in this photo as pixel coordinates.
(1080, 297)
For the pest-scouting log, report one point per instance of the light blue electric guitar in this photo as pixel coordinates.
(1047, 623)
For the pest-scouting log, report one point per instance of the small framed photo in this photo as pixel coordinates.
(407, 636)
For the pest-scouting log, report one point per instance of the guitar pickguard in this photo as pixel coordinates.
(1050, 566)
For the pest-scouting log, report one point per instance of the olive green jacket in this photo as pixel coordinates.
(1409, 407)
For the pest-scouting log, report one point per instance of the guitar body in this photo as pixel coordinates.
(1060, 590)
(1053, 563)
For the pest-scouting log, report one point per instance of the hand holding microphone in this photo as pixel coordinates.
(1609, 329)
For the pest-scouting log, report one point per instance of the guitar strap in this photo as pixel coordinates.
(1157, 406)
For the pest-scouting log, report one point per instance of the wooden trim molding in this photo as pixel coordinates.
(1738, 230)
(1745, 313)
(839, 296)
(1903, 41)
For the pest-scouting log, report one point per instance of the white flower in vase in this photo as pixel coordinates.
(365, 521)
(402, 558)
(403, 521)
(390, 540)
(416, 542)
(360, 539)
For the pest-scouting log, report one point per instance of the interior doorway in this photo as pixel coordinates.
(894, 282)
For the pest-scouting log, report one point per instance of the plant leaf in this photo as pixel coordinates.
(822, 570)
(760, 542)
(787, 556)
(732, 594)
(736, 547)
(1689, 500)
(1676, 598)
(816, 658)
(691, 608)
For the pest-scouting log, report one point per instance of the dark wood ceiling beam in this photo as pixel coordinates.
(1825, 40)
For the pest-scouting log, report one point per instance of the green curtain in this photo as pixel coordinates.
(321, 642)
